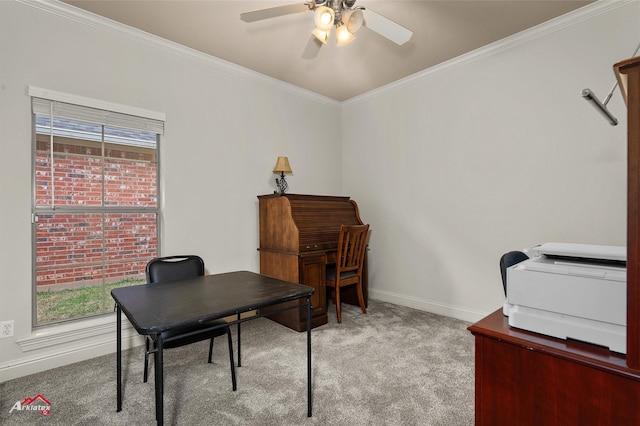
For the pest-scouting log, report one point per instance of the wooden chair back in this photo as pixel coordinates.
(351, 246)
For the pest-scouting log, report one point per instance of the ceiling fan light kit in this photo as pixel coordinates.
(343, 14)
(336, 13)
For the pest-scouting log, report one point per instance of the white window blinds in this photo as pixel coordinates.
(78, 108)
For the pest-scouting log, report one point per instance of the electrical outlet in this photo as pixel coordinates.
(6, 328)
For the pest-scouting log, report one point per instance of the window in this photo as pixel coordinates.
(95, 206)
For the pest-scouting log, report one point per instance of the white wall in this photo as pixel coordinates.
(225, 127)
(494, 151)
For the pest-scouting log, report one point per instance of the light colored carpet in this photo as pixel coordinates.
(393, 366)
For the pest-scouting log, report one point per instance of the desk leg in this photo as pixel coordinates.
(159, 379)
(309, 401)
(239, 352)
(119, 358)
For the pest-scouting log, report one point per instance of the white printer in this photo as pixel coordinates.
(575, 291)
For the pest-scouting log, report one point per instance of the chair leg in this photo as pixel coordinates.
(146, 359)
(210, 350)
(337, 299)
(233, 366)
(361, 298)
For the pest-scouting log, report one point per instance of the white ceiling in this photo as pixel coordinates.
(442, 30)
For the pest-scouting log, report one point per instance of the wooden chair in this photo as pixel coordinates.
(172, 268)
(349, 263)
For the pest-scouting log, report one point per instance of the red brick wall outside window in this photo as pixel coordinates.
(103, 225)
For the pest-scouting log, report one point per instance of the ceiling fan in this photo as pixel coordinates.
(341, 14)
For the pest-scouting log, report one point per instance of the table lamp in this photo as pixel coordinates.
(282, 167)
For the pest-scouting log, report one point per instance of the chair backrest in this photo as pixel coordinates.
(351, 246)
(170, 268)
(509, 259)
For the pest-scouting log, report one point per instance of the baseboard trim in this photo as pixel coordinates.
(464, 314)
(104, 345)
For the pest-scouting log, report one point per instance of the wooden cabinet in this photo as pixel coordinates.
(307, 269)
(628, 74)
(298, 239)
(525, 378)
(312, 273)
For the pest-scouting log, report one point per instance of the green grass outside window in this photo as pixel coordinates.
(78, 302)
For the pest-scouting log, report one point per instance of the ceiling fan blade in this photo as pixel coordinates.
(386, 27)
(272, 12)
(312, 49)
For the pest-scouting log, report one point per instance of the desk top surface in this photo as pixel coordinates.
(496, 326)
(154, 308)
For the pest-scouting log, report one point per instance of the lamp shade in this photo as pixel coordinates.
(343, 36)
(282, 166)
(353, 19)
(323, 18)
(321, 36)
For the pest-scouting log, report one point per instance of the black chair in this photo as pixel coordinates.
(171, 268)
(509, 259)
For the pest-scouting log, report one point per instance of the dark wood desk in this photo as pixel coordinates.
(525, 378)
(202, 299)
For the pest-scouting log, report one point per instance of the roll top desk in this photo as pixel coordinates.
(298, 239)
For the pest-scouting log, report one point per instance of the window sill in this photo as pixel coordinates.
(102, 328)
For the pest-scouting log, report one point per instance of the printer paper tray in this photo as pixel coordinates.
(613, 336)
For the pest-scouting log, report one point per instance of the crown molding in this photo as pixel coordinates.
(67, 11)
(579, 15)
(84, 17)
